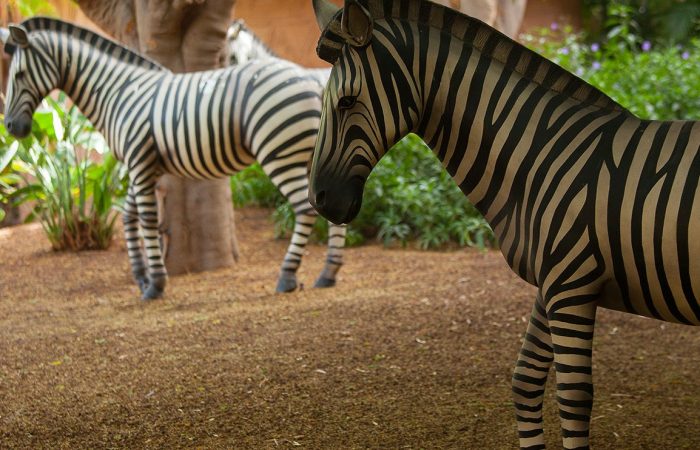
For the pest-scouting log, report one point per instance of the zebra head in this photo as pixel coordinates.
(363, 114)
(244, 45)
(31, 77)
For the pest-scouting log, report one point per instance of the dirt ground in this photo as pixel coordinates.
(411, 350)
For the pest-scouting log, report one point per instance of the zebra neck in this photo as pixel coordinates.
(94, 79)
(493, 128)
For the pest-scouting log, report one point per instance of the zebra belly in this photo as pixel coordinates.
(649, 233)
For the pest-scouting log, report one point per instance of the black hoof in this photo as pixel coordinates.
(151, 293)
(324, 282)
(143, 284)
(286, 284)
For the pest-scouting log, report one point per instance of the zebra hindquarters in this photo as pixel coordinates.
(530, 377)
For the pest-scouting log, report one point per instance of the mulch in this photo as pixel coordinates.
(411, 349)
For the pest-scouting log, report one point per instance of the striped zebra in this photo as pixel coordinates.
(199, 125)
(590, 204)
(244, 45)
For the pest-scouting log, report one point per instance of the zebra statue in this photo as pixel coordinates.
(243, 45)
(198, 125)
(590, 204)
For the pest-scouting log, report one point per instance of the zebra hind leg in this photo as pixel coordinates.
(530, 376)
(303, 224)
(334, 258)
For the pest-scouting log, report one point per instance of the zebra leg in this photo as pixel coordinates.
(334, 258)
(530, 376)
(303, 224)
(571, 320)
(130, 219)
(148, 218)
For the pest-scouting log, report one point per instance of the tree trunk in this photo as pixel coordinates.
(505, 15)
(196, 217)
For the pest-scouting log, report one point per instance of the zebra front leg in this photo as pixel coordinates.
(530, 376)
(303, 224)
(334, 258)
(571, 321)
(130, 219)
(148, 218)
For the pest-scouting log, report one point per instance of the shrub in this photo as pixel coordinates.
(57, 169)
(408, 197)
(652, 81)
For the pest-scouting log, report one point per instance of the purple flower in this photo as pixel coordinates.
(685, 54)
(646, 46)
(564, 50)
(554, 26)
(595, 47)
(596, 65)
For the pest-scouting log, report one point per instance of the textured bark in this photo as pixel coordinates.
(196, 217)
(505, 15)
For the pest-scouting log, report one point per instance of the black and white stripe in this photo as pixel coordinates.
(200, 125)
(244, 45)
(591, 204)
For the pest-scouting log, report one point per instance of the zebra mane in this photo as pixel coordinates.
(240, 23)
(112, 47)
(490, 42)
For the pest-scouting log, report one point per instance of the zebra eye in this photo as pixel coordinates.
(19, 75)
(347, 102)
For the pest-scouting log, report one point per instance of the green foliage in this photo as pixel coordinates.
(28, 8)
(652, 81)
(661, 21)
(408, 197)
(252, 187)
(57, 169)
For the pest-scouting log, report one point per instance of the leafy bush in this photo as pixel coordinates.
(57, 169)
(252, 187)
(664, 21)
(652, 81)
(408, 197)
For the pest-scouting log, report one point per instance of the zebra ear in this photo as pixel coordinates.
(19, 35)
(325, 11)
(356, 24)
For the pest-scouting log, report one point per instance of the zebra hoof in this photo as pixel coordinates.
(324, 282)
(286, 284)
(151, 293)
(143, 284)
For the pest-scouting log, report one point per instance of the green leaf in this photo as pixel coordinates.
(7, 157)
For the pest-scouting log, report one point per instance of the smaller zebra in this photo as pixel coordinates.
(200, 125)
(244, 45)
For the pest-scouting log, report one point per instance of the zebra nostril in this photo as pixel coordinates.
(320, 198)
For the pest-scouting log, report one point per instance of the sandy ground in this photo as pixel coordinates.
(411, 350)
